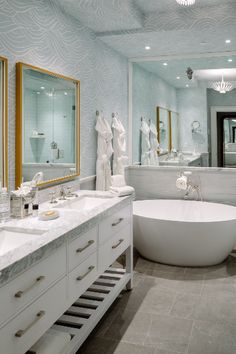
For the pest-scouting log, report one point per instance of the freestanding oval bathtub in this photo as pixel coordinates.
(184, 233)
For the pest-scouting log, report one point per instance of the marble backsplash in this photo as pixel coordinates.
(217, 184)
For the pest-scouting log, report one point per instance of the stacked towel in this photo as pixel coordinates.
(52, 342)
(122, 191)
(119, 187)
(118, 181)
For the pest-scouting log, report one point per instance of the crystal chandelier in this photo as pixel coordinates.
(222, 86)
(186, 2)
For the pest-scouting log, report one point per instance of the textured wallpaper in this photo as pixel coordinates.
(38, 33)
(149, 91)
(192, 105)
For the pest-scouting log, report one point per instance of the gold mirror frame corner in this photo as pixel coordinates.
(5, 122)
(170, 112)
(19, 119)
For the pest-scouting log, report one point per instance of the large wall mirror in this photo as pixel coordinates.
(199, 94)
(47, 125)
(163, 129)
(3, 121)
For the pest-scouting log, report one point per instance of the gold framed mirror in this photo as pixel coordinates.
(163, 123)
(174, 124)
(4, 121)
(47, 125)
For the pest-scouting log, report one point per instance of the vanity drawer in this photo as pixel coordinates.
(26, 287)
(112, 249)
(82, 277)
(82, 247)
(24, 330)
(114, 223)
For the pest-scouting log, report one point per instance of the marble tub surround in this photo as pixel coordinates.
(70, 223)
(217, 184)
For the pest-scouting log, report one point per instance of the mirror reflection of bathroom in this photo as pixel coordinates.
(1, 113)
(229, 143)
(163, 130)
(49, 125)
(193, 91)
(3, 122)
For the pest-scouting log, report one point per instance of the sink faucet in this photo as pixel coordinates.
(62, 193)
(70, 193)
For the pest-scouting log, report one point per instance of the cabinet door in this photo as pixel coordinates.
(82, 277)
(114, 223)
(113, 248)
(29, 285)
(82, 247)
(24, 330)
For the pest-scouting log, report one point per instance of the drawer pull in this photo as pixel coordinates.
(21, 332)
(117, 222)
(90, 242)
(22, 292)
(84, 275)
(118, 244)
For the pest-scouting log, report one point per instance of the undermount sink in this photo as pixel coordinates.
(13, 237)
(82, 203)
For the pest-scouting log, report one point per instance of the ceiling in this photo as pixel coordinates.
(128, 26)
(205, 70)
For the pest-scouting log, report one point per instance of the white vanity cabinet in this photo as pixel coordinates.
(45, 293)
(24, 289)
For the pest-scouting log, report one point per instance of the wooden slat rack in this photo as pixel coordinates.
(81, 318)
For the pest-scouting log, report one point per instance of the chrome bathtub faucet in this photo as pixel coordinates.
(188, 186)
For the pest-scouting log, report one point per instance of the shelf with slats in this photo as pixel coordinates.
(80, 319)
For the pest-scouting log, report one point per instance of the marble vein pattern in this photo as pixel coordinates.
(69, 225)
(216, 184)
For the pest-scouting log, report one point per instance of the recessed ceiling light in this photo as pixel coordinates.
(42, 88)
(165, 64)
(187, 85)
(228, 41)
(177, 77)
(38, 93)
(147, 47)
(65, 93)
(230, 60)
(186, 2)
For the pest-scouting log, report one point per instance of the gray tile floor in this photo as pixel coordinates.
(171, 310)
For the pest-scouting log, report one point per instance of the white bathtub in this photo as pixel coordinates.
(185, 233)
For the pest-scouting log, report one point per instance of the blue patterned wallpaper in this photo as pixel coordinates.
(192, 105)
(149, 91)
(37, 32)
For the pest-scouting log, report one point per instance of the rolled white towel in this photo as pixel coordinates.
(52, 342)
(118, 181)
(182, 182)
(122, 191)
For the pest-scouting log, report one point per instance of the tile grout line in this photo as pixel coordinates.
(190, 337)
(149, 327)
(173, 304)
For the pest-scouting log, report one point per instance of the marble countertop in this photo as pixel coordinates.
(70, 223)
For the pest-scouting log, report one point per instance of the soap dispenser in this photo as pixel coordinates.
(4, 204)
